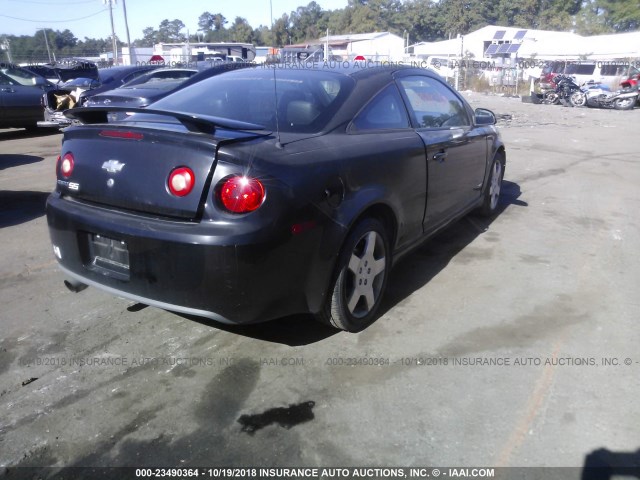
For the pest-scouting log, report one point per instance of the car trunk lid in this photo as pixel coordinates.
(128, 165)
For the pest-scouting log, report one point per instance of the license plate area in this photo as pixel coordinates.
(108, 256)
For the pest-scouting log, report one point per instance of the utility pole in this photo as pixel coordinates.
(46, 42)
(273, 42)
(6, 45)
(114, 43)
(326, 47)
(126, 26)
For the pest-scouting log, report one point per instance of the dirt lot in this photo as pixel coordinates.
(505, 343)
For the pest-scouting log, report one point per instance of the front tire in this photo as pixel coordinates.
(362, 272)
(491, 195)
(578, 99)
(624, 103)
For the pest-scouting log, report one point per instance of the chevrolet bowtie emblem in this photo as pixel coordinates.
(112, 166)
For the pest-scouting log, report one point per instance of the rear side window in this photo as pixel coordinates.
(385, 111)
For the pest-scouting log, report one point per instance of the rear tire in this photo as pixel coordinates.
(551, 98)
(361, 278)
(491, 195)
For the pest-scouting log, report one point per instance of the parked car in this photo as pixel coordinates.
(215, 69)
(75, 93)
(116, 77)
(20, 97)
(63, 97)
(260, 193)
(143, 90)
(63, 71)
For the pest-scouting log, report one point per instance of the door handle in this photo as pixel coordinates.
(7, 90)
(440, 156)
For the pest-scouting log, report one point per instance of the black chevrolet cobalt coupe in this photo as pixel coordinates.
(265, 192)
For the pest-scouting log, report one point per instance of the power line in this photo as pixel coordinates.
(57, 4)
(54, 21)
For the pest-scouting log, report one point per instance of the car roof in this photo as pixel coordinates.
(370, 78)
(123, 70)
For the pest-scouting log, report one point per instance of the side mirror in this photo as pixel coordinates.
(484, 117)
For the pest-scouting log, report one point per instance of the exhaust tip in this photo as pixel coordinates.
(75, 286)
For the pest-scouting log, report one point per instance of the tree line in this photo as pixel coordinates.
(417, 20)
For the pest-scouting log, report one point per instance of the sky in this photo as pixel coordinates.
(90, 18)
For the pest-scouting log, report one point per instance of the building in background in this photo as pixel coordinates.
(375, 46)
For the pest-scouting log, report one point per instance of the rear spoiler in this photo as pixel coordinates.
(192, 121)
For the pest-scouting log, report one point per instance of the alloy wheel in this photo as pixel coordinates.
(365, 269)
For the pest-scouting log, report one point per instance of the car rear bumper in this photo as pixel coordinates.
(194, 268)
(54, 119)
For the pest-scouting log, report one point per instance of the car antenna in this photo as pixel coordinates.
(275, 91)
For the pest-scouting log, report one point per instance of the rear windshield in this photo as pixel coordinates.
(161, 76)
(306, 99)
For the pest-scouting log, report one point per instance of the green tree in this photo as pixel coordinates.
(618, 15)
(149, 38)
(425, 23)
(591, 19)
(208, 22)
(306, 22)
(281, 31)
(169, 31)
(241, 31)
(64, 39)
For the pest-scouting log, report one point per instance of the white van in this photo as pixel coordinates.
(608, 73)
(444, 66)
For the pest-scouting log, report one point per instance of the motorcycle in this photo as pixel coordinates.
(565, 87)
(597, 96)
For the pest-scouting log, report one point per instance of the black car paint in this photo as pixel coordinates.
(108, 78)
(65, 70)
(115, 77)
(139, 92)
(279, 259)
(20, 105)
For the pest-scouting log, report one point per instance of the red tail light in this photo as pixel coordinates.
(181, 181)
(126, 135)
(66, 165)
(242, 194)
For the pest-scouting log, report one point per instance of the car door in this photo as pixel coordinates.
(21, 98)
(385, 154)
(456, 152)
